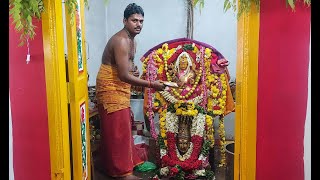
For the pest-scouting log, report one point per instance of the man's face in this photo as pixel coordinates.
(134, 23)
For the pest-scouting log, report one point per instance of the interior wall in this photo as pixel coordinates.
(219, 29)
(96, 37)
(164, 20)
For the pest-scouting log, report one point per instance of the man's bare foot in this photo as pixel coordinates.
(130, 177)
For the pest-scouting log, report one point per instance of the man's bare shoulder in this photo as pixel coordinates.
(118, 40)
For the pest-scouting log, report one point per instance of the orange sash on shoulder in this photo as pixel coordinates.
(111, 92)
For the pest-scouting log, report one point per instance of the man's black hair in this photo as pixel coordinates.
(132, 8)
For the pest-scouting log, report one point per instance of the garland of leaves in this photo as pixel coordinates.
(23, 11)
(245, 5)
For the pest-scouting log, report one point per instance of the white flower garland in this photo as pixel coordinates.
(198, 128)
(172, 122)
(164, 171)
(198, 124)
(167, 96)
(201, 157)
(163, 152)
(200, 172)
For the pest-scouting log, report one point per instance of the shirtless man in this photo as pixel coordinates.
(114, 79)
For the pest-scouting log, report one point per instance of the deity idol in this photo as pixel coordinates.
(186, 74)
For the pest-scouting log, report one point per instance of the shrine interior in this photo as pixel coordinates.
(213, 33)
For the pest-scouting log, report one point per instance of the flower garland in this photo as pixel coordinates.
(210, 130)
(217, 102)
(217, 84)
(162, 120)
(222, 142)
(151, 76)
(171, 158)
(173, 164)
(167, 96)
(197, 166)
(203, 78)
(202, 108)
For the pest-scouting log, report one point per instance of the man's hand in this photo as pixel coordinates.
(158, 85)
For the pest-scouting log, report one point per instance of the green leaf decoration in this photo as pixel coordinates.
(308, 2)
(225, 5)
(291, 3)
(244, 6)
(187, 47)
(24, 11)
(86, 3)
(196, 2)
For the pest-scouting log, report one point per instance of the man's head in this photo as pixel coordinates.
(133, 18)
(132, 8)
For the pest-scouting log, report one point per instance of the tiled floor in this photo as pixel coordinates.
(220, 172)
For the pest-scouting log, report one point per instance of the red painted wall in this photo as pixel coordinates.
(31, 158)
(282, 90)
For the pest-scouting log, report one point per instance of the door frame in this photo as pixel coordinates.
(246, 92)
(56, 87)
(246, 95)
(65, 154)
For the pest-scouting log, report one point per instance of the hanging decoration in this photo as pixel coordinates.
(245, 5)
(24, 11)
(28, 52)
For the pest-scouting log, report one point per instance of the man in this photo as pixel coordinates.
(114, 79)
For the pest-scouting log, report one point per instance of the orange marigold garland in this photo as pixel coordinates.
(222, 142)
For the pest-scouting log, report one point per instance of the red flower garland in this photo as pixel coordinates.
(171, 158)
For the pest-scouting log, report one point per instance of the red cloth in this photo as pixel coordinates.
(284, 42)
(142, 150)
(117, 150)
